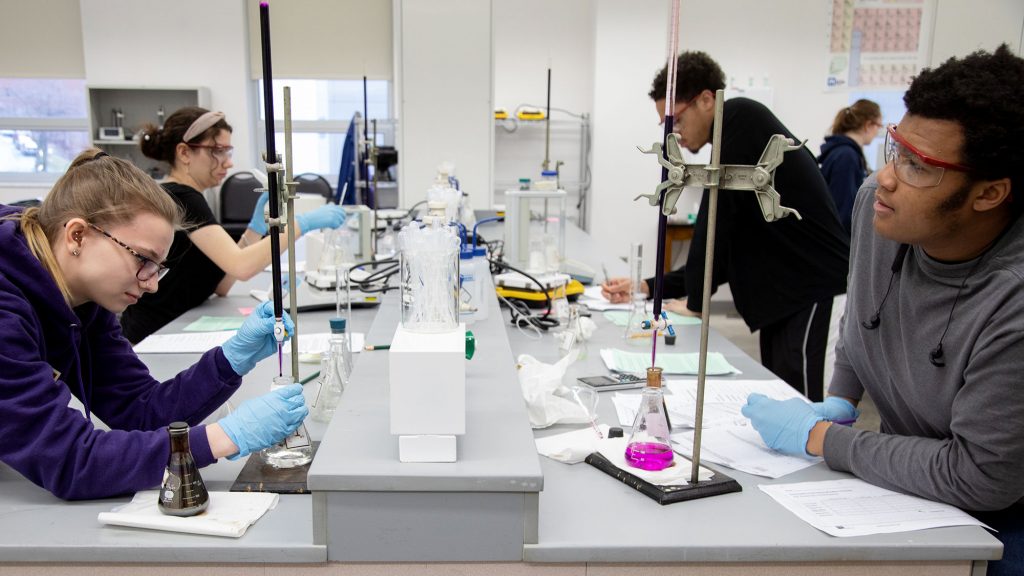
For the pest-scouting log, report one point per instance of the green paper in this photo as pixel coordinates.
(686, 363)
(621, 318)
(215, 324)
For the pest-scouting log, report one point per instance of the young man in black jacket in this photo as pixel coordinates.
(784, 275)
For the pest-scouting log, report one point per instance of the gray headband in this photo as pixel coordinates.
(202, 124)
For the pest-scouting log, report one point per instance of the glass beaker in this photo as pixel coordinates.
(295, 450)
(183, 492)
(429, 268)
(650, 445)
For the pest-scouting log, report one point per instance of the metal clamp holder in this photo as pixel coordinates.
(759, 178)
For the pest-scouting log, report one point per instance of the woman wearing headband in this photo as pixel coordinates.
(197, 145)
(842, 155)
(97, 243)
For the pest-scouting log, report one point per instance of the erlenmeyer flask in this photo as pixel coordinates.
(293, 451)
(183, 492)
(649, 446)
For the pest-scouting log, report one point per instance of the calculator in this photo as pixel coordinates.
(614, 382)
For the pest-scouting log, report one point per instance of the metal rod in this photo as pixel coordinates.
(670, 97)
(367, 198)
(547, 126)
(709, 267)
(290, 185)
(274, 228)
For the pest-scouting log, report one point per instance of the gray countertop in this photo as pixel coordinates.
(496, 454)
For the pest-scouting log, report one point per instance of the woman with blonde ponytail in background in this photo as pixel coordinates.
(96, 244)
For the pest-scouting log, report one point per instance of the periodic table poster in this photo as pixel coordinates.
(878, 44)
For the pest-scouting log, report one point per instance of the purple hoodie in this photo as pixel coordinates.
(49, 351)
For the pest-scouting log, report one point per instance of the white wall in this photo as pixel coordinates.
(445, 94)
(778, 43)
(189, 43)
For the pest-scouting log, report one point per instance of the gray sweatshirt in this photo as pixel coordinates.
(953, 434)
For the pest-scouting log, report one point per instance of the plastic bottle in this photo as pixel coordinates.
(335, 369)
(183, 492)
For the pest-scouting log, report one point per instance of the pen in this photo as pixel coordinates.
(309, 378)
(371, 347)
(604, 269)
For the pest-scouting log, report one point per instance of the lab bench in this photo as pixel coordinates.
(501, 508)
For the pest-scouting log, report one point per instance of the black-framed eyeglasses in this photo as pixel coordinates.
(219, 153)
(148, 268)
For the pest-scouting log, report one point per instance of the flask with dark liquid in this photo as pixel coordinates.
(183, 492)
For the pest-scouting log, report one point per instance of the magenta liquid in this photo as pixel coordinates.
(649, 455)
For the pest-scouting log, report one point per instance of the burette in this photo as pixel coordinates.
(273, 169)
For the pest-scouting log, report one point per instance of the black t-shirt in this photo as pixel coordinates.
(192, 277)
(773, 269)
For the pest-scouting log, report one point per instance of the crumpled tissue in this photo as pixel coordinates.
(548, 401)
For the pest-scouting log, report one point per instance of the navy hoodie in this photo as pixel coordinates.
(844, 168)
(49, 352)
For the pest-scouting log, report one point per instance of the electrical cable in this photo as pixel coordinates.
(521, 312)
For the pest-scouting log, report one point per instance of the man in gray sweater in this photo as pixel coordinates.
(934, 322)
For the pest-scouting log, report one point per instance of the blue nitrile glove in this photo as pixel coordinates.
(784, 425)
(258, 223)
(326, 216)
(254, 341)
(263, 421)
(836, 409)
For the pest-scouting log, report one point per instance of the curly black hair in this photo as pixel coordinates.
(695, 73)
(981, 92)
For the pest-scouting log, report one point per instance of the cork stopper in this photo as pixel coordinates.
(654, 377)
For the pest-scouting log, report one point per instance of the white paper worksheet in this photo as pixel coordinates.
(186, 343)
(855, 508)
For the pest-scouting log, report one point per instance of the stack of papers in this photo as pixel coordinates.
(593, 300)
(855, 508)
(687, 363)
(726, 438)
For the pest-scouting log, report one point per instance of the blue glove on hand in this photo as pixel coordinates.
(263, 421)
(254, 341)
(836, 409)
(784, 425)
(258, 223)
(326, 216)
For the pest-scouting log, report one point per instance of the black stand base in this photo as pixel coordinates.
(719, 484)
(258, 476)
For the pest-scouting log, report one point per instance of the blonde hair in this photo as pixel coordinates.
(855, 116)
(100, 189)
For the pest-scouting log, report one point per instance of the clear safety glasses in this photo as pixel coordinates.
(913, 167)
(219, 153)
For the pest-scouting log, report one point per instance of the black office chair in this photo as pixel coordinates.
(32, 202)
(310, 183)
(237, 201)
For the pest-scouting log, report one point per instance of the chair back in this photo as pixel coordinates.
(237, 201)
(309, 183)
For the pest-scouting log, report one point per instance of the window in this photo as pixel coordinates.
(43, 126)
(321, 112)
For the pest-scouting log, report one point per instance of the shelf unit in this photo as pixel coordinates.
(139, 105)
